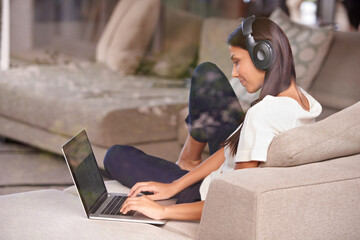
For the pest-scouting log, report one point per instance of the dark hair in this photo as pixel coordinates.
(279, 76)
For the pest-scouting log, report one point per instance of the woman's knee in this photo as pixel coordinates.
(115, 155)
(206, 67)
(206, 77)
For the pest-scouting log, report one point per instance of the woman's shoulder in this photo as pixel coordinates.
(275, 105)
(272, 111)
(284, 109)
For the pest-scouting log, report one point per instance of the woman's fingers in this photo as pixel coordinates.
(152, 187)
(129, 205)
(145, 206)
(143, 189)
(139, 187)
(160, 190)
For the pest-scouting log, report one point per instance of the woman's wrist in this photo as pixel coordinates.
(186, 211)
(176, 186)
(165, 211)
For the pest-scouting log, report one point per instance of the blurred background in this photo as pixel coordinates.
(74, 27)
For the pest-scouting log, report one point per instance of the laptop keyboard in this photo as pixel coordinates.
(113, 208)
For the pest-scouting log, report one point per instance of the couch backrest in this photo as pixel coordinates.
(337, 84)
(123, 44)
(334, 137)
(213, 46)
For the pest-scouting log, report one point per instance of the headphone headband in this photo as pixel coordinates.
(261, 52)
(246, 25)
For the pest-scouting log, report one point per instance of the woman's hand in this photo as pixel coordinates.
(145, 206)
(160, 190)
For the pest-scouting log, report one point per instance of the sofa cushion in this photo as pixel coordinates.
(52, 214)
(128, 34)
(111, 186)
(180, 37)
(309, 46)
(335, 136)
(337, 84)
(113, 109)
(185, 228)
(311, 201)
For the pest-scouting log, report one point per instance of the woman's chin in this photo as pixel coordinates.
(251, 90)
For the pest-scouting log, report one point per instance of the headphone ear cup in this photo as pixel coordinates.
(263, 55)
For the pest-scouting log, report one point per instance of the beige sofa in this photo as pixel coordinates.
(308, 189)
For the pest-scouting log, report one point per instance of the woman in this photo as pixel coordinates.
(262, 59)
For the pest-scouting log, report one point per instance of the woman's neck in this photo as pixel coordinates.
(294, 92)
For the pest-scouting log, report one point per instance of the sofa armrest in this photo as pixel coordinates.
(229, 211)
(313, 201)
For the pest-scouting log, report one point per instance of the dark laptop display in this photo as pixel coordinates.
(84, 169)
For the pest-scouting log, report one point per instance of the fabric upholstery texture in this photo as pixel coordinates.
(309, 46)
(337, 84)
(312, 201)
(184, 228)
(213, 46)
(91, 97)
(128, 34)
(180, 37)
(335, 136)
(52, 214)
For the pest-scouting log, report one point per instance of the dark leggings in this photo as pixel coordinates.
(214, 113)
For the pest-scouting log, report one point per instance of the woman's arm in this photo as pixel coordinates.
(242, 165)
(203, 170)
(164, 190)
(185, 211)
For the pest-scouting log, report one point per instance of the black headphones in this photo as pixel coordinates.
(261, 52)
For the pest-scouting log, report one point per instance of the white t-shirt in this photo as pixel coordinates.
(265, 120)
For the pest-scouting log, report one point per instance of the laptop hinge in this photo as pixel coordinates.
(98, 202)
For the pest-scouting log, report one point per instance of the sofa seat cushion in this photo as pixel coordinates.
(53, 214)
(335, 136)
(114, 109)
(184, 228)
(309, 46)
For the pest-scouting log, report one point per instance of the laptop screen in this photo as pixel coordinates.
(84, 169)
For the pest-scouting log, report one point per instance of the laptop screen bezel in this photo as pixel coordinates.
(103, 195)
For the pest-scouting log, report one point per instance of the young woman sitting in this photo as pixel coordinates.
(262, 59)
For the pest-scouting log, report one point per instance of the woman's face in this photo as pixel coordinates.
(244, 69)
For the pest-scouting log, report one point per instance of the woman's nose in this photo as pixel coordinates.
(234, 72)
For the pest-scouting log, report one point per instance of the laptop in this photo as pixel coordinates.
(97, 202)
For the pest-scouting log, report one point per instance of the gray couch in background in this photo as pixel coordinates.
(44, 106)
